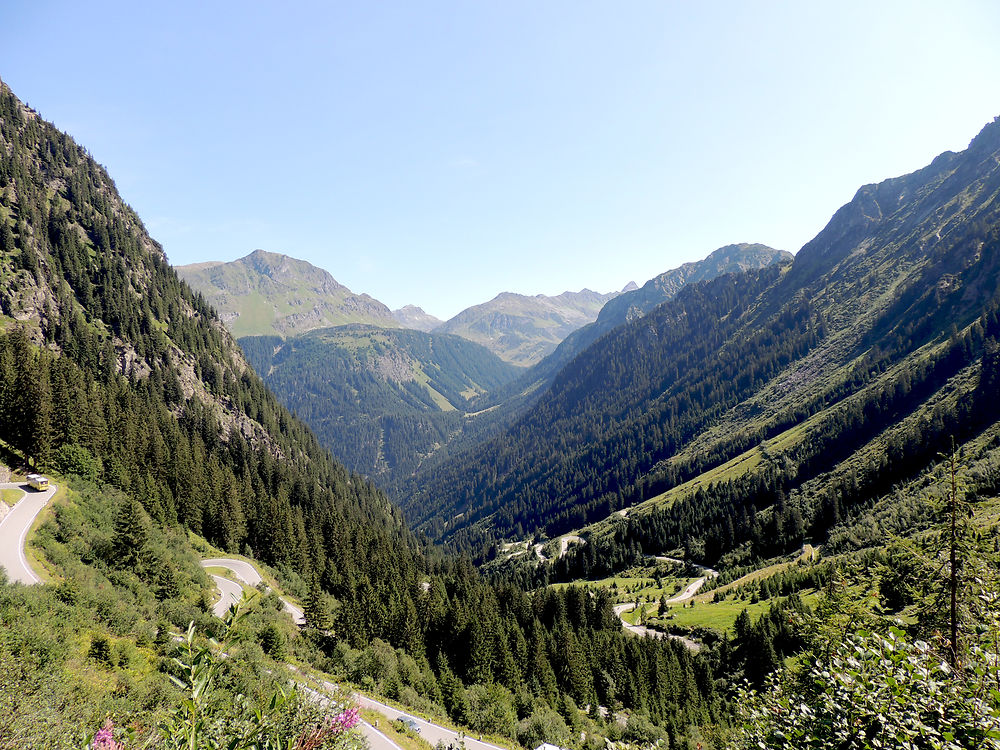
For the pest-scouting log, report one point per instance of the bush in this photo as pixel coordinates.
(879, 691)
(489, 709)
(75, 459)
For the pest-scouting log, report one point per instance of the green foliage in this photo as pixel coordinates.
(128, 363)
(272, 641)
(211, 721)
(865, 682)
(75, 459)
(879, 690)
(543, 725)
(128, 544)
(489, 709)
(100, 650)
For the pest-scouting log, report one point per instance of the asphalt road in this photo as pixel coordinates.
(14, 531)
(230, 592)
(431, 732)
(691, 589)
(376, 740)
(251, 577)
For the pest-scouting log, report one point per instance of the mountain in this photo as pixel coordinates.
(498, 409)
(521, 329)
(382, 399)
(268, 293)
(112, 356)
(167, 448)
(411, 316)
(634, 302)
(818, 383)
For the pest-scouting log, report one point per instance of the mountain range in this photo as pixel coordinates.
(268, 293)
(272, 294)
(522, 329)
(873, 338)
(769, 433)
(394, 403)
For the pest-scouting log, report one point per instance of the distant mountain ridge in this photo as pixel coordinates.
(522, 330)
(267, 293)
(270, 293)
(812, 386)
(382, 399)
(415, 318)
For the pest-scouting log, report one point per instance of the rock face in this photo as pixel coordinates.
(521, 329)
(269, 293)
(729, 259)
(413, 317)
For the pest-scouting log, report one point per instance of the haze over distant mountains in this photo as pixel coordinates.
(522, 329)
(391, 401)
(634, 302)
(756, 410)
(411, 316)
(273, 294)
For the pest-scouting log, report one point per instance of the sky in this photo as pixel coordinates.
(438, 153)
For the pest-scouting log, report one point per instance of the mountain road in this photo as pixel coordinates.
(14, 531)
(249, 575)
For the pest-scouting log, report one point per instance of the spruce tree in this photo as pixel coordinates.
(131, 535)
(316, 611)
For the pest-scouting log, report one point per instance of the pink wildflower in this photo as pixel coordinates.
(331, 727)
(104, 739)
(346, 720)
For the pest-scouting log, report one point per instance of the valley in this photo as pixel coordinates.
(624, 520)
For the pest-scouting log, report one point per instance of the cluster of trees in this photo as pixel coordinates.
(765, 510)
(872, 678)
(868, 294)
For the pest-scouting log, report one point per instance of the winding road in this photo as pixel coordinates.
(231, 592)
(14, 531)
(689, 591)
(429, 731)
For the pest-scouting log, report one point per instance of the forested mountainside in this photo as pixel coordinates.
(135, 369)
(522, 329)
(112, 369)
(381, 399)
(636, 303)
(886, 315)
(269, 293)
(629, 305)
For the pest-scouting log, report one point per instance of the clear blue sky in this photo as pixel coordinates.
(438, 153)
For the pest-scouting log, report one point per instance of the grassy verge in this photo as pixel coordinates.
(11, 496)
(32, 553)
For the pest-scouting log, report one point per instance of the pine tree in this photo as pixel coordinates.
(130, 536)
(41, 433)
(317, 612)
